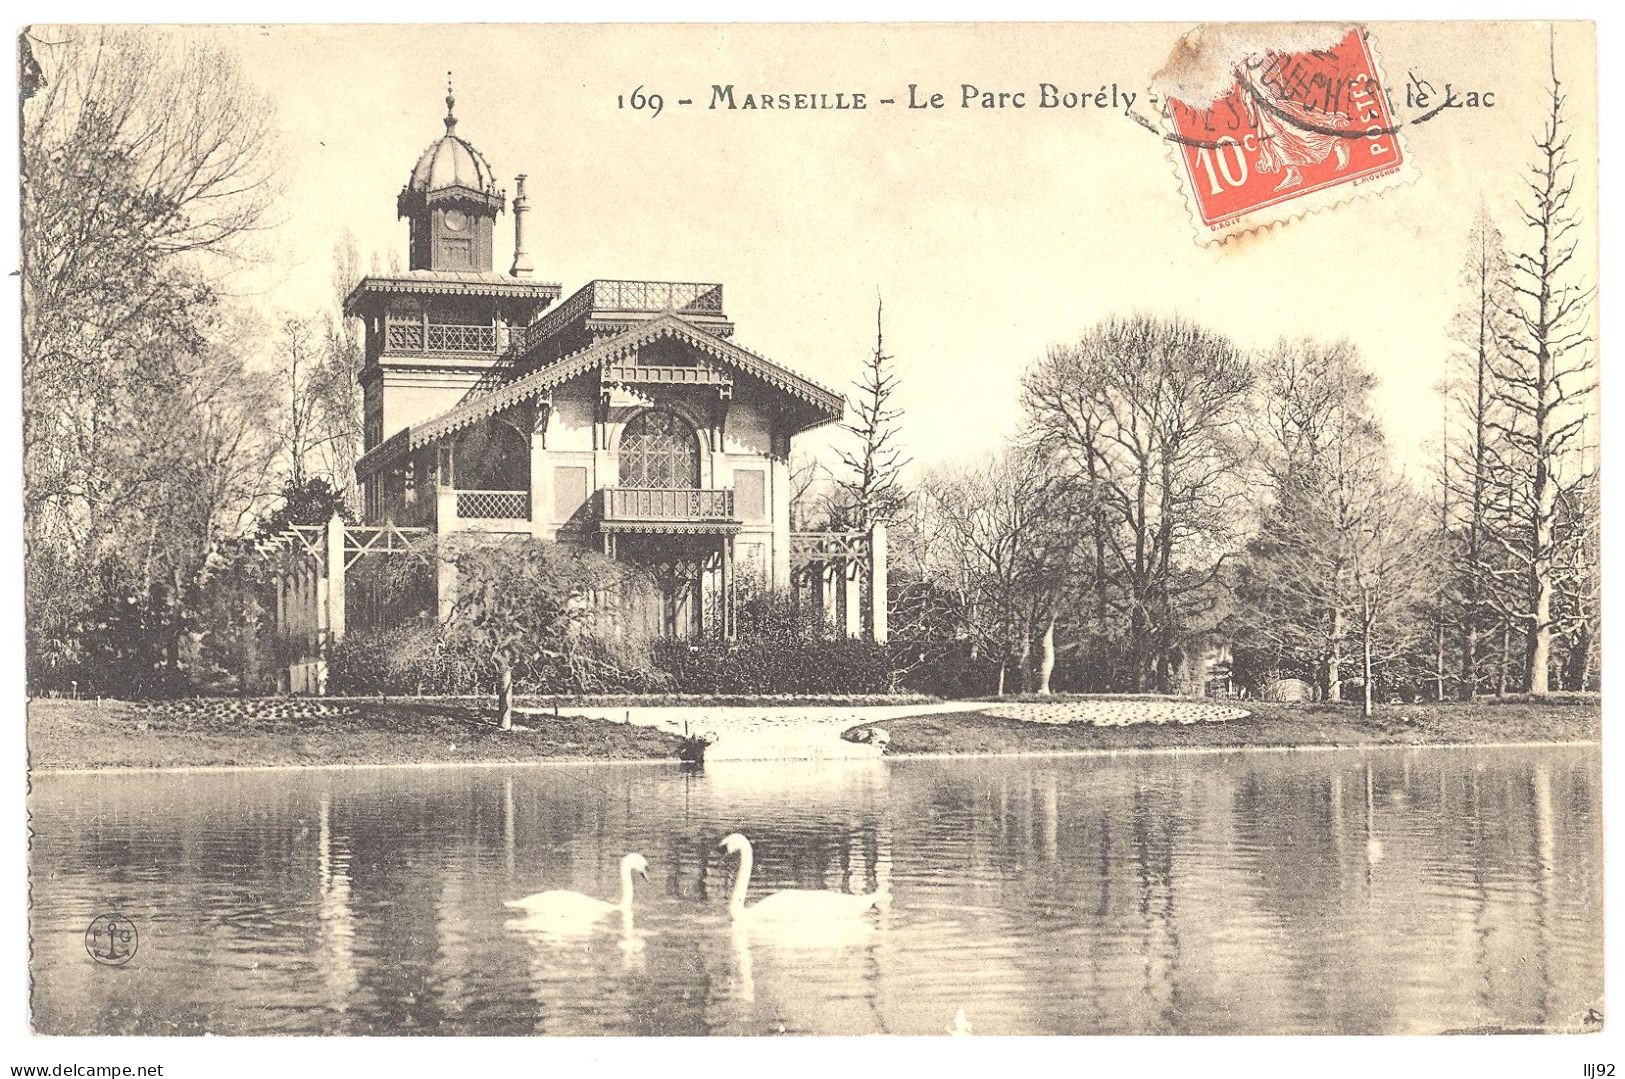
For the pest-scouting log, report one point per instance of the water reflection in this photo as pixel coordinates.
(1405, 890)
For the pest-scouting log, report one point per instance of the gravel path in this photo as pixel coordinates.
(744, 732)
(1118, 713)
(813, 732)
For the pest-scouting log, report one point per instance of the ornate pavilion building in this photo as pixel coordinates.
(625, 417)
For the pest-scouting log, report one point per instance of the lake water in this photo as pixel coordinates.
(1349, 891)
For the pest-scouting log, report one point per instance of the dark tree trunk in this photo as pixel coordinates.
(1577, 668)
(504, 694)
(1506, 660)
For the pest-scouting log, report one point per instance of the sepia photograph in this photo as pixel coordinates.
(812, 529)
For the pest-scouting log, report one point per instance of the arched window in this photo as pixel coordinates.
(658, 449)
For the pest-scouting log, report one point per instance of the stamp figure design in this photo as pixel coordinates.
(1296, 131)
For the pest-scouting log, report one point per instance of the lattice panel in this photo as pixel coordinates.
(656, 296)
(450, 337)
(493, 505)
(405, 337)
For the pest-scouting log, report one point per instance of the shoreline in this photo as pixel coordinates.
(546, 762)
(1192, 751)
(1274, 726)
(362, 766)
(203, 736)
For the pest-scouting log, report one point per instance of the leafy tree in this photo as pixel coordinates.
(534, 604)
(313, 502)
(142, 167)
(1322, 453)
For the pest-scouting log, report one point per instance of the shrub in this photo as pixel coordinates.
(424, 659)
(782, 665)
(406, 660)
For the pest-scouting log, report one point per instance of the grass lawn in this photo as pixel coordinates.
(1566, 719)
(65, 734)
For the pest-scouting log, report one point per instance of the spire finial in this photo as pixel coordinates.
(451, 104)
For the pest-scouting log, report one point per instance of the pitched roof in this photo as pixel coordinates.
(824, 402)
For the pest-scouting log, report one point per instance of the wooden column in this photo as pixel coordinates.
(725, 584)
(335, 579)
(284, 679)
(852, 597)
(829, 593)
(877, 582)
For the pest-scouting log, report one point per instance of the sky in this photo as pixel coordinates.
(991, 234)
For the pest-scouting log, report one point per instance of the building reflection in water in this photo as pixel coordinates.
(1331, 892)
(337, 921)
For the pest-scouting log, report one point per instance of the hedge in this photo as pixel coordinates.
(410, 660)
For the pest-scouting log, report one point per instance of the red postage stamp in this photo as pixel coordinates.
(1264, 134)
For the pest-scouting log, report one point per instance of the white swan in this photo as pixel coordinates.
(793, 905)
(568, 907)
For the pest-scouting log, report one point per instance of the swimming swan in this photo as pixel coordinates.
(565, 906)
(793, 905)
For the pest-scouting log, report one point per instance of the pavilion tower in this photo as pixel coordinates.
(451, 201)
(435, 331)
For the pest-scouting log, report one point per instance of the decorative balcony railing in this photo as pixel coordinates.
(402, 335)
(665, 504)
(657, 296)
(493, 505)
(450, 337)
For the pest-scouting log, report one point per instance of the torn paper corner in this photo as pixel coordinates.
(1201, 67)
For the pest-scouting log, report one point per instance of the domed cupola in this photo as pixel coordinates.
(451, 201)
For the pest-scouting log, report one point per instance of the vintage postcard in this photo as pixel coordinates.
(946, 530)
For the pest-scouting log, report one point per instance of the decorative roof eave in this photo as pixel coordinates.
(410, 199)
(826, 404)
(715, 327)
(825, 401)
(670, 324)
(388, 452)
(524, 389)
(516, 289)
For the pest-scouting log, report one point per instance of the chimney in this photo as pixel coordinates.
(521, 258)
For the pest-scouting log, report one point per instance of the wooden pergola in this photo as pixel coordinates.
(310, 595)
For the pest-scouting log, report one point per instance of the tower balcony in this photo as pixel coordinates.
(417, 337)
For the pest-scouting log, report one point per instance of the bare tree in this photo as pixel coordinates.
(809, 492)
(991, 518)
(142, 167)
(1146, 415)
(1577, 607)
(299, 430)
(1392, 565)
(337, 386)
(1543, 377)
(872, 488)
(1322, 449)
(1480, 326)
